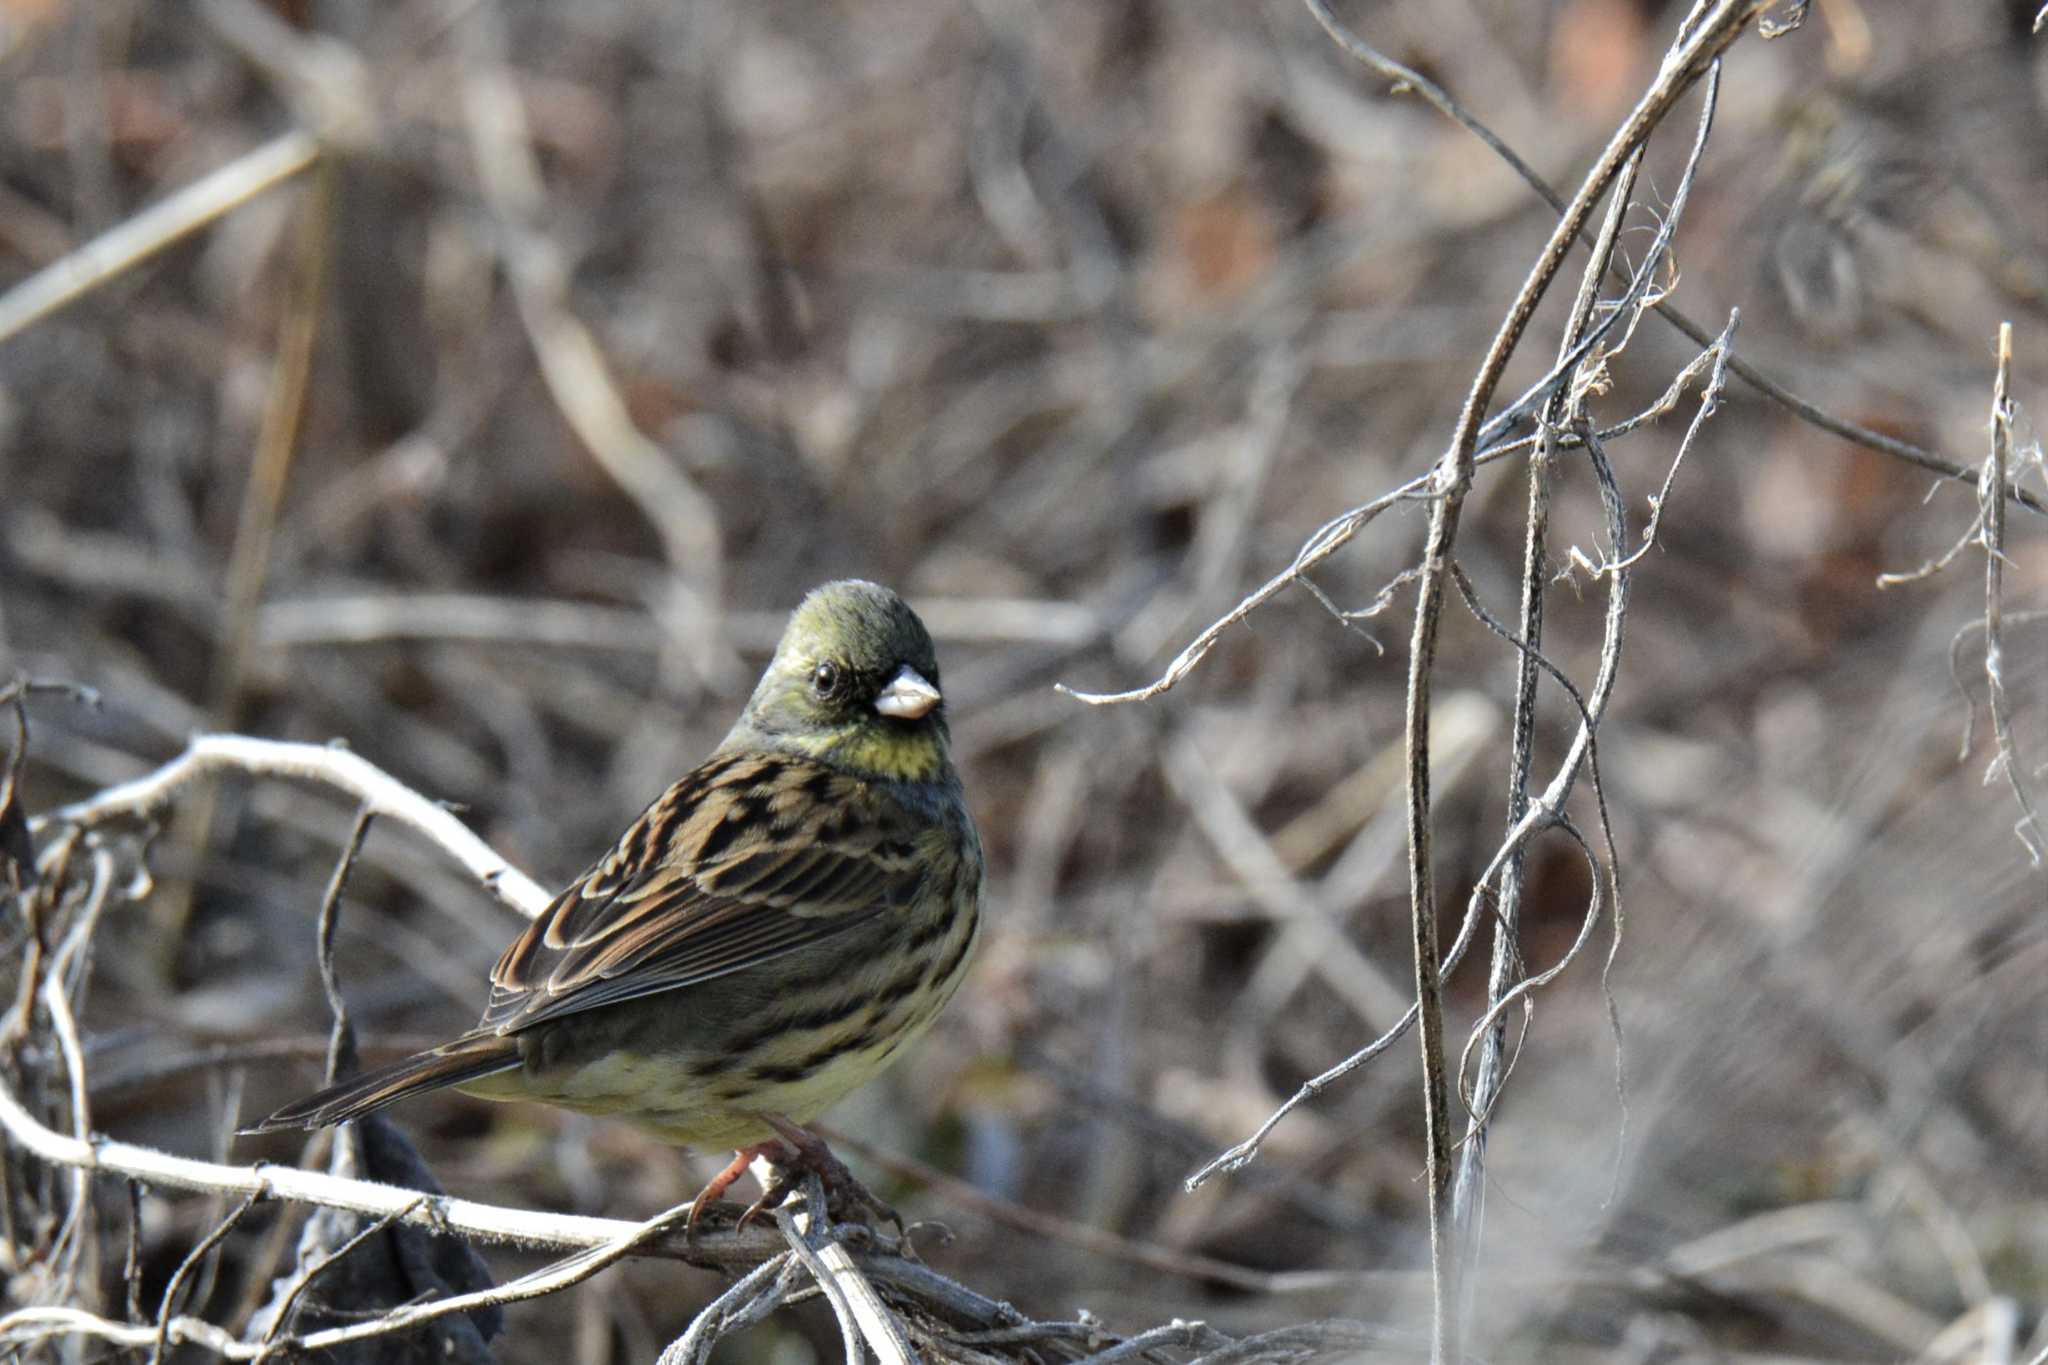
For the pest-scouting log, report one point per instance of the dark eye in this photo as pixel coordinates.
(825, 679)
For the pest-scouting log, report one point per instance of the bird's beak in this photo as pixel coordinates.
(908, 696)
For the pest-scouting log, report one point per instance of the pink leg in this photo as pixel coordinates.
(808, 1152)
(721, 1182)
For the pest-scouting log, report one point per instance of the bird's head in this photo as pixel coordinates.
(854, 683)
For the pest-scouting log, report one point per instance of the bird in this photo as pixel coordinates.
(768, 935)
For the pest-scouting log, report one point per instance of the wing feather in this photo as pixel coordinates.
(746, 859)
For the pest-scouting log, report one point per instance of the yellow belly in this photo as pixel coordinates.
(676, 1104)
(696, 1098)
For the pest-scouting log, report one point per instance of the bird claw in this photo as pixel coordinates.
(798, 1153)
(846, 1198)
(717, 1186)
(778, 1188)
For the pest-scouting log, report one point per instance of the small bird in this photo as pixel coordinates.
(767, 936)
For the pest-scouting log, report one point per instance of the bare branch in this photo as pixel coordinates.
(204, 1247)
(1992, 517)
(752, 1297)
(1406, 78)
(1469, 1185)
(135, 239)
(378, 792)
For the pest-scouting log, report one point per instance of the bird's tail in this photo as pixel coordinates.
(468, 1058)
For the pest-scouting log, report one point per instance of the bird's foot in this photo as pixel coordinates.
(723, 1181)
(800, 1153)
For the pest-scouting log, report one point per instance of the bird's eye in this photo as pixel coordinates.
(825, 679)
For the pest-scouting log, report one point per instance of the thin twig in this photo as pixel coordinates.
(64, 982)
(1582, 755)
(166, 1310)
(907, 1280)
(1993, 516)
(1710, 403)
(305, 1279)
(1407, 78)
(959, 1194)
(826, 1278)
(376, 789)
(277, 442)
(1684, 64)
(1469, 1185)
(1335, 533)
(490, 1222)
(341, 1038)
(131, 1264)
(135, 239)
(862, 1314)
(749, 1298)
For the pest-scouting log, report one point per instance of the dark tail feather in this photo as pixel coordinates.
(465, 1059)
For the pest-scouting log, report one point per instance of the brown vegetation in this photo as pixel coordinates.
(531, 360)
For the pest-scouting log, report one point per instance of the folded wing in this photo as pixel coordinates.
(748, 858)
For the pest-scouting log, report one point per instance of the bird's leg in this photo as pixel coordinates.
(721, 1182)
(808, 1152)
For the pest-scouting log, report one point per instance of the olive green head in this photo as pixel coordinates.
(854, 682)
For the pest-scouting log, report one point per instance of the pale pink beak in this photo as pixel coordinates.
(908, 696)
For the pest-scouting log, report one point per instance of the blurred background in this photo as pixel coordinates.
(498, 448)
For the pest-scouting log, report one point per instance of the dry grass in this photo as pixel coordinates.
(496, 446)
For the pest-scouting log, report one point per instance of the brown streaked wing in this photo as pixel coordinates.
(744, 860)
